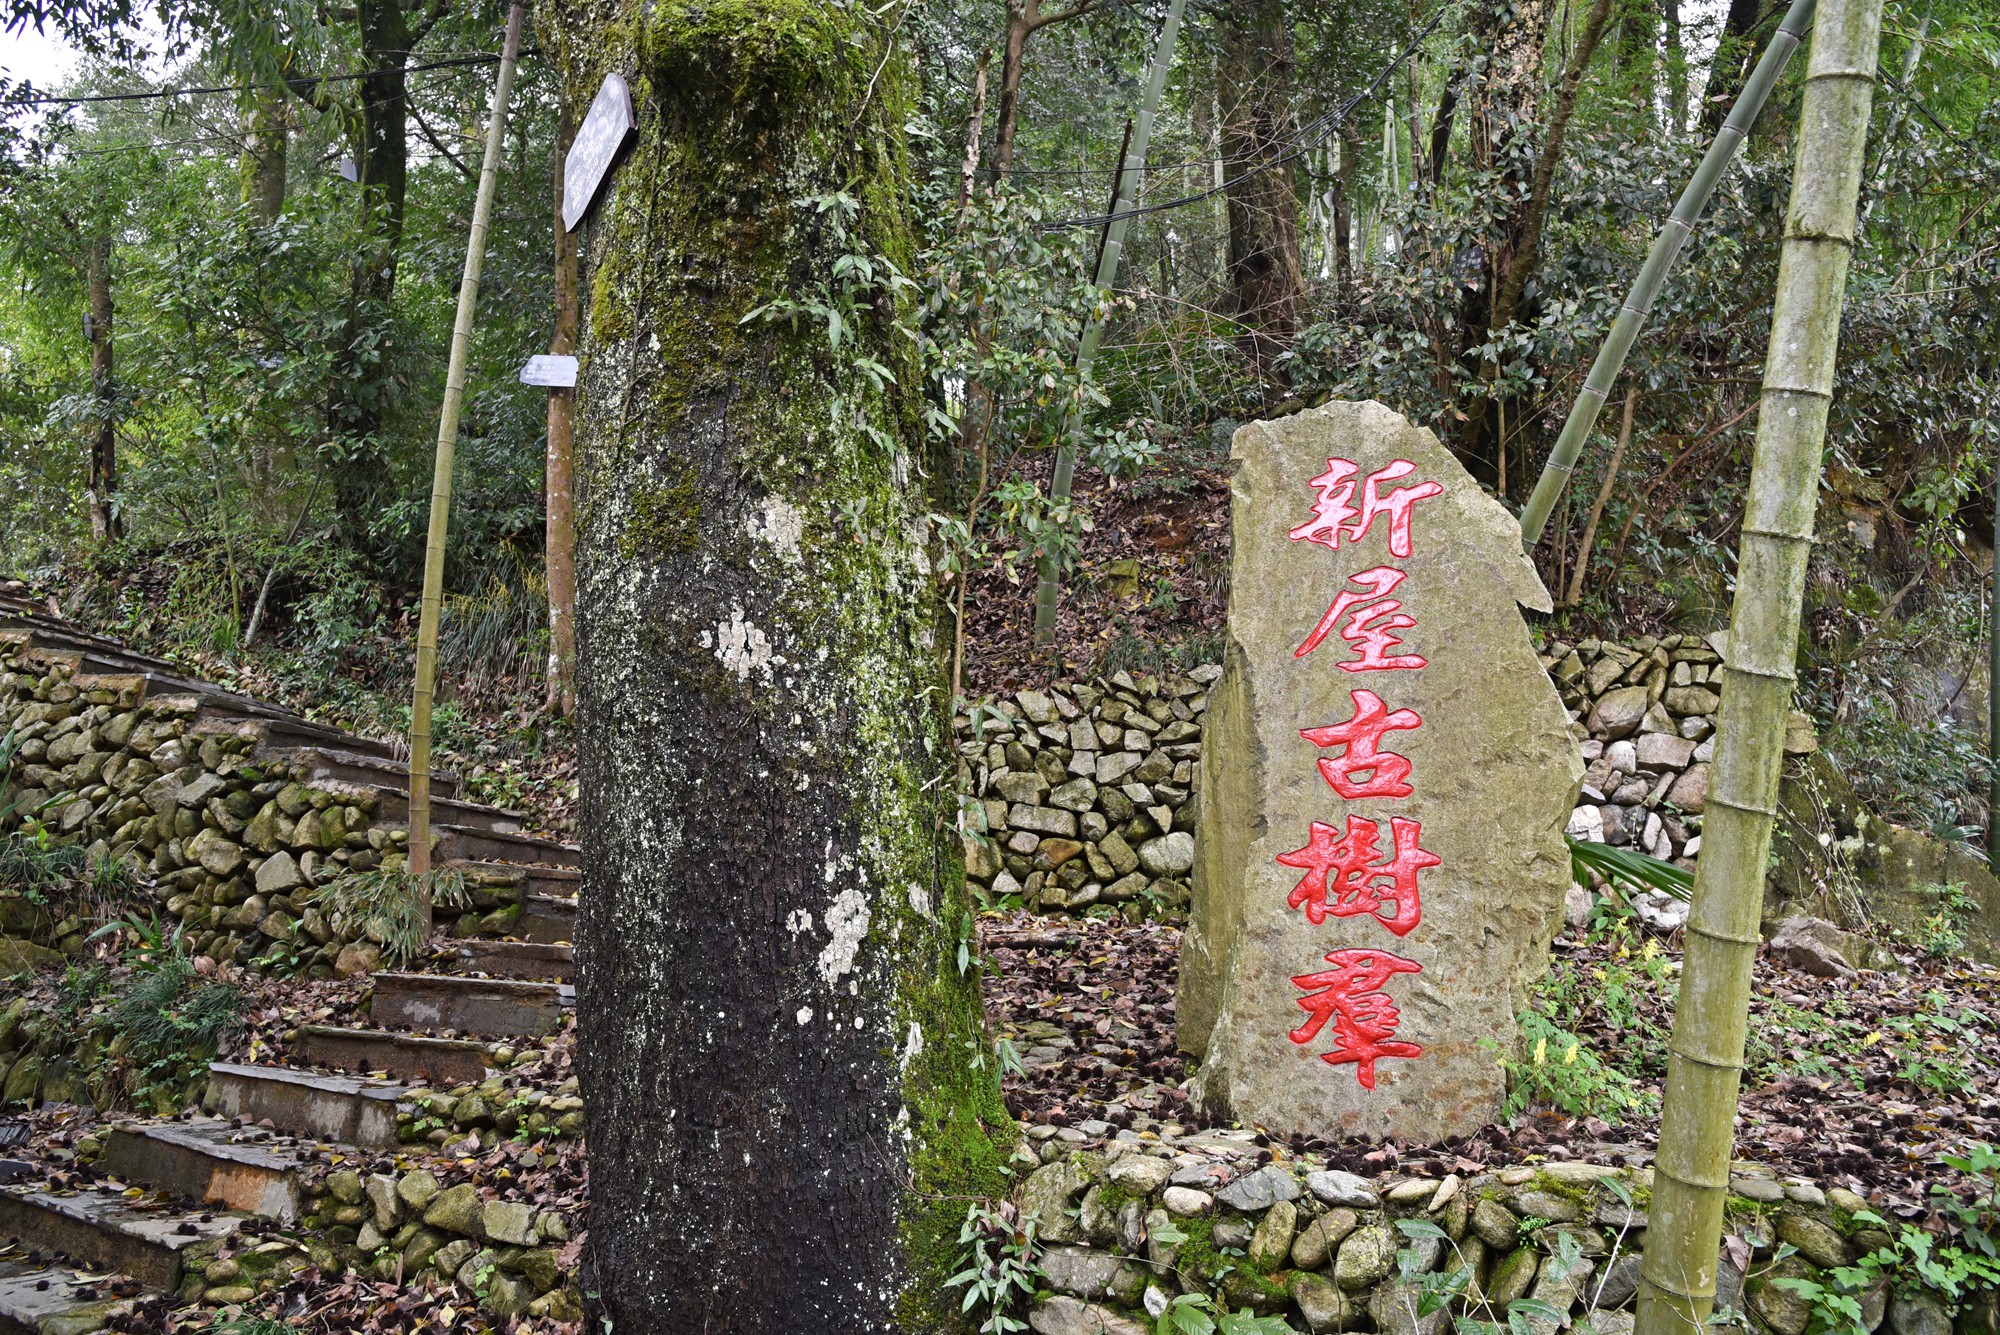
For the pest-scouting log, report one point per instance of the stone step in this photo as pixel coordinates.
(32, 629)
(53, 1299)
(437, 1061)
(393, 808)
(210, 1161)
(455, 843)
(534, 879)
(281, 732)
(484, 1007)
(516, 959)
(547, 918)
(340, 1109)
(325, 762)
(109, 1233)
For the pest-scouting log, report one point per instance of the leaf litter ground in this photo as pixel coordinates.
(1863, 1082)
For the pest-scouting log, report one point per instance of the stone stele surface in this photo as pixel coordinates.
(1494, 774)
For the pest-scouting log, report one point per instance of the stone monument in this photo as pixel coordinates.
(1386, 774)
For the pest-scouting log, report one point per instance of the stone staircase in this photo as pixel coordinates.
(333, 1087)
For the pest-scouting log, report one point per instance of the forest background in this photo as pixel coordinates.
(225, 318)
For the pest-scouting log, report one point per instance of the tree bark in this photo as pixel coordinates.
(266, 144)
(560, 547)
(1736, 50)
(1502, 107)
(1024, 19)
(788, 1097)
(1704, 1068)
(1343, 205)
(1007, 109)
(101, 480)
(1267, 287)
(359, 399)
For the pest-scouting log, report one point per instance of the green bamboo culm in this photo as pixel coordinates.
(1659, 263)
(1691, 1173)
(447, 443)
(1130, 171)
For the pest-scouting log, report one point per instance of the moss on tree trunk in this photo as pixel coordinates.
(789, 1098)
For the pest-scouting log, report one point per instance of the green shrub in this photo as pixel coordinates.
(386, 905)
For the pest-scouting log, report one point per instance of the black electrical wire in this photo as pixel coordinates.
(293, 82)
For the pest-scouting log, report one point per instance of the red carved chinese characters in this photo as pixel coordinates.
(1346, 873)
(1372, 622)
(1343, 880)
(1361, 735)
(1336, 517)
(1364, 1017)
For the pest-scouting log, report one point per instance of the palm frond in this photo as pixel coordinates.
(1628, 867)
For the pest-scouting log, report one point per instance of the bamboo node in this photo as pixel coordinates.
(1768, 813)
(1775, 536)
(1766, 674)
(1735, 1066)
(1752, 941)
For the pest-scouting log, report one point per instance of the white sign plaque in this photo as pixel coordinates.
(553, 371)
(607, 128)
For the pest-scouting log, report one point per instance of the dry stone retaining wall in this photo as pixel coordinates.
(1085, 793)
(230, 836)
(1128, 1223)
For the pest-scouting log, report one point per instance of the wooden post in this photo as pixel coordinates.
(560, 553)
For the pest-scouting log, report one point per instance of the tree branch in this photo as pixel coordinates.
(1076, 11)
(430, 137)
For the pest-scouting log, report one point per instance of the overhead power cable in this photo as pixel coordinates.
(55, 99)
(1306, 140)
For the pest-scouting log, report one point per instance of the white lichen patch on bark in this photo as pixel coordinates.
(741, 647)
(780, 524)
(847, 921)
(913, 1047)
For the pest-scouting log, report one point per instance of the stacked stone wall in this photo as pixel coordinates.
(1085, 793)
(1126, 1225)
(228, 838)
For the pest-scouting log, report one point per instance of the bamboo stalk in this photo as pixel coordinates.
(1691, 1173)
(454, 399)
(1129, 171)
(1660, 259)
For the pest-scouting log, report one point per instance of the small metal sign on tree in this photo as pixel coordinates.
(607, 128)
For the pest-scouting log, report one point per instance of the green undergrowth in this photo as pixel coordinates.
(386, 905)
(136, 1031)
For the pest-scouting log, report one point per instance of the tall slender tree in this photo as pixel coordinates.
(101, 486)
(788, 1098)
(1691, 1172)
(1259, 134)
(388, 30)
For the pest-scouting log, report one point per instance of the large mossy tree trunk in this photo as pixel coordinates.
(789, 1096)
